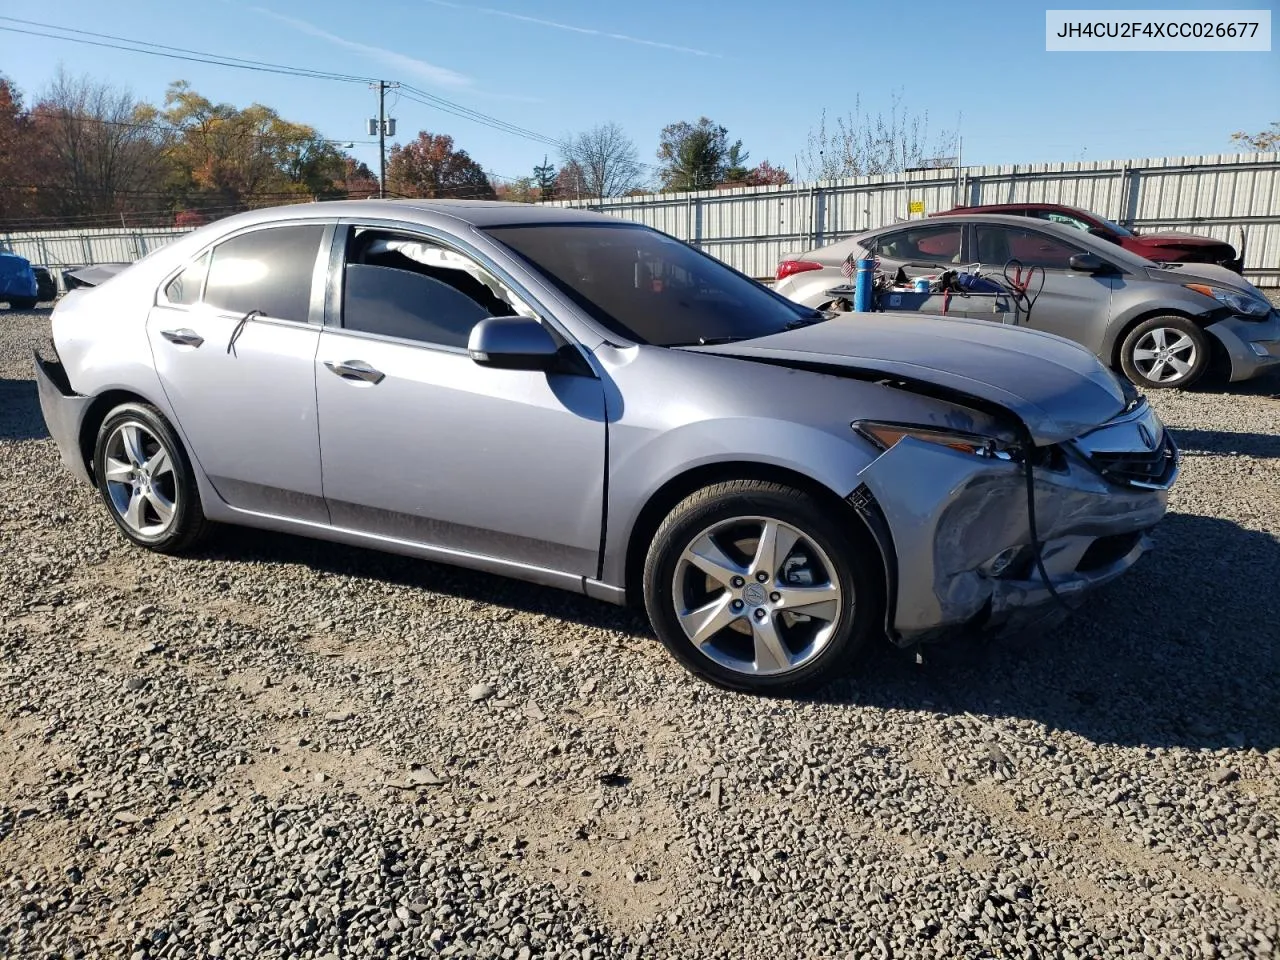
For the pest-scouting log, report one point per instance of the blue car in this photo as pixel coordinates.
(18, 282)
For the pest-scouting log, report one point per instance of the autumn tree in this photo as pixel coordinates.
(766, 174)
(1260, 142)
(224, 157)
(571, 183)
(605, 160)
(862, 143)
(358, 181)
(430, 167)
(17, 173)
(698, 155)
(520, 190)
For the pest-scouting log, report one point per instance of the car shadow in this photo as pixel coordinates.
(20, 417)
(244, 545)
(1180, 652)
(1261, 445)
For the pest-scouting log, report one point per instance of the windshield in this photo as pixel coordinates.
(1120, 231)
(648, 287)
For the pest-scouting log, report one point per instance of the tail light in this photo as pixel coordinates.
(788, 267)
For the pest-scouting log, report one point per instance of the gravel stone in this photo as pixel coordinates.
(279, 748)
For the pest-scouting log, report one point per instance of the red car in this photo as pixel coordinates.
(1169, 246)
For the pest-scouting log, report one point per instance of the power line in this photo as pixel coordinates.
(178, 53)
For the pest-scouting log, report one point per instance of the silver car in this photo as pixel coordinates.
(592, 405)
(1162, 324)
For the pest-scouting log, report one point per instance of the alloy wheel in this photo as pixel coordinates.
(141, 483)
(1164, 355)
(757, 595)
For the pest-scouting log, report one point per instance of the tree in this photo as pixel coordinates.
(735, 164)
(863, 144)
(545, 178)
(430, 167)
(606, 160)
(698, 155)
(766, 174)
(1260, 142)
(520, 190)
(571, 183)
(98, 150)
(358, 181)
(17, 169)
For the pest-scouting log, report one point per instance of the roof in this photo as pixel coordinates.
(478, 213)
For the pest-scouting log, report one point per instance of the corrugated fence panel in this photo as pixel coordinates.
(752, 228)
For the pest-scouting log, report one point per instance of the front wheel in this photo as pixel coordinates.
(761, 587)
(146, 481)
(1165, 352)
(22, 303)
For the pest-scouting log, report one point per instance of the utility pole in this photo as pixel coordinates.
(383, 127)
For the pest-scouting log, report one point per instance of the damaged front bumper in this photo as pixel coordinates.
(64, 412)
(961, 544)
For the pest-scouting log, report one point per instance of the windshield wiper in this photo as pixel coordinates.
(818, 316)
(708, 342)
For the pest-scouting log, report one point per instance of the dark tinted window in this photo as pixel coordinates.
(999, 244)
(268, 270)
(184, 289)
(398, 303)
(938, 243)
(648, 287)
(401, 285)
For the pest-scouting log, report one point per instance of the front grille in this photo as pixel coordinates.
(1146, 468)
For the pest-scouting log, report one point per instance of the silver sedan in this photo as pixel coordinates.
(595, 406)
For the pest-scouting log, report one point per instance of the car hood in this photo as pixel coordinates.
(1210, 273)
(1057, 388)
(1174, 238)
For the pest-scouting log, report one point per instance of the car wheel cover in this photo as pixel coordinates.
(140, 480)
(1165, 355)
(757, 596)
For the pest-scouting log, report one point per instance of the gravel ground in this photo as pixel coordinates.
(280, 748)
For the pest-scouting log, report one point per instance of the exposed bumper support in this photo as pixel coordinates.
(63, 411)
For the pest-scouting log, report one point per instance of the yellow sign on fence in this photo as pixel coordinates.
(914, 207)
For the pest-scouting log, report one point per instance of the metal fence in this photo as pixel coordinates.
(753, 228)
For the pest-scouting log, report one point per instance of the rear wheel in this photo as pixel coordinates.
(23, 303)
(758, 587)
(146, 481)
(1165, 352)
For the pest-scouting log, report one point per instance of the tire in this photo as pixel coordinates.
(24, 303)
(153, 500)
(751, 640)
(1165, 352)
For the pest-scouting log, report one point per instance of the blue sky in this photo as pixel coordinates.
(766, 70)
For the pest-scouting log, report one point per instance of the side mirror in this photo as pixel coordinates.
(513, 343)
(1088, 263)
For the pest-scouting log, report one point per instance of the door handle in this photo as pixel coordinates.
(355, 370)
(184, 337)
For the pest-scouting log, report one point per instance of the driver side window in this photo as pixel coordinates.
(411, 287)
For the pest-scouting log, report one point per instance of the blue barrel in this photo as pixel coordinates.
(862, 286)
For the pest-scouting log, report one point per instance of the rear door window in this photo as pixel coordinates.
(270, 270)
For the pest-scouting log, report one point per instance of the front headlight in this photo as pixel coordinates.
(1244, 304)
(885, 435)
